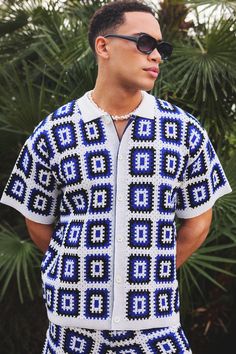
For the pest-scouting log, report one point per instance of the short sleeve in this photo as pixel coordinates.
(204, 179)
(32, 188)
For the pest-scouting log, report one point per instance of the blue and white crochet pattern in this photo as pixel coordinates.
(111, 262)
(71, 340)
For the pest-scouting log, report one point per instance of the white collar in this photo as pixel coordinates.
(89, 112)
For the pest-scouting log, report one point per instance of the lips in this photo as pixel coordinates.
(153, 69)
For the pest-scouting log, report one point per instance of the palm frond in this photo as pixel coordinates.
(19, 260)
(205, 262)
(22, 102)
(206, 64)
(215, 5)
(224, 209)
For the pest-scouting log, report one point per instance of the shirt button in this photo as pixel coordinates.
(107, 120)
(117, 319)
(119, 239)
(121, 157)
(119, 197)
(118, 279)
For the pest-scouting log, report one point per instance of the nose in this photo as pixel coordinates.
(155, 56)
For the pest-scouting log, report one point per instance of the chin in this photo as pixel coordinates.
(144, 85)
(147, 87)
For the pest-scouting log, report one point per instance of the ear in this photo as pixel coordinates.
(102, 47)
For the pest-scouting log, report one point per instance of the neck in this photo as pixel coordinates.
(116, 100)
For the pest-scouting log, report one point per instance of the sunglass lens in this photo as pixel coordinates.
(146, 44)
(165, 50)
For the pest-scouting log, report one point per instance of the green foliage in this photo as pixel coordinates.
(225, 211)
(21, 99)
(214, 4)
(217, 254)
(20, 260)
(201, 77)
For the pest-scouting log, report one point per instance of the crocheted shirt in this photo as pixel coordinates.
(111, 262)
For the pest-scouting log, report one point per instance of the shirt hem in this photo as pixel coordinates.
(190, 213)
(174, 320)
(20, 208)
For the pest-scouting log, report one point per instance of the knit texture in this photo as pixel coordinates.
(111, 262)
(71, 340)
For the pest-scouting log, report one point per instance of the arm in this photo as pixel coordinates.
(191, 234)
(40, 233)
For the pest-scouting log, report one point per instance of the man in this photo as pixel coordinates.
(100, 182)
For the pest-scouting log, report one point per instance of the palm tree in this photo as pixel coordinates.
(45, 61)
(201, 78)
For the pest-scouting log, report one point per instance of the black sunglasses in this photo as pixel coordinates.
(146, 44)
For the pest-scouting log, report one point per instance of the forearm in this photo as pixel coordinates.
(40, 234)
(191, 234)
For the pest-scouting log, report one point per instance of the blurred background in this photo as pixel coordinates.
(45, 61)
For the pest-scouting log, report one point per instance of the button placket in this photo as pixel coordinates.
(119, 295)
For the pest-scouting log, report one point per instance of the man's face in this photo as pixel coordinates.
(129, 67)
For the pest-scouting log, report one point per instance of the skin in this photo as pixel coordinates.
(121, 77)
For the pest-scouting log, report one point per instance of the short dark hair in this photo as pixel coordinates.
(110, 16)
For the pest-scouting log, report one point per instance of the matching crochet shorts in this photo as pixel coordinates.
(70, 340)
